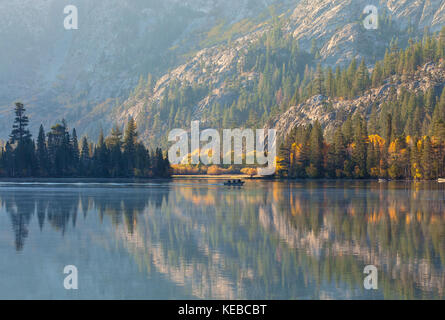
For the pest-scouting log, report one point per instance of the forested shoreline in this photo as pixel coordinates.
(404, 138)
(58, 153)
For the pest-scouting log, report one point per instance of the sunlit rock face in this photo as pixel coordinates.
(336, 25)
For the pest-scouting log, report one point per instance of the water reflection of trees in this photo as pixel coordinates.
(400, 230)
(307, 240)
(59, 209)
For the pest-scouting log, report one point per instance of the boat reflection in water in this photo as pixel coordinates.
(188, 239)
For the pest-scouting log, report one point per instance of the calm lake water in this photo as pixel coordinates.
(199, 239)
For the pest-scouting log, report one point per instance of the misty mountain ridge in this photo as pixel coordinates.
(90, 76)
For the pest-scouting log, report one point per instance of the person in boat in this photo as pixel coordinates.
(234, 182)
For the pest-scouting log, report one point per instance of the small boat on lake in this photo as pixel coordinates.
(234, 183)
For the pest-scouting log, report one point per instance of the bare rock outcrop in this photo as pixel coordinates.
(331, 112)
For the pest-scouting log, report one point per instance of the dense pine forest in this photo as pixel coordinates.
(59, 154)
(274, 73)
(402, 139)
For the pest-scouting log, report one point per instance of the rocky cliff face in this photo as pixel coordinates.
(332, 112)
(336, 25)
(86, 75)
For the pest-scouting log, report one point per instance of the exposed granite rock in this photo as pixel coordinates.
(331, 112)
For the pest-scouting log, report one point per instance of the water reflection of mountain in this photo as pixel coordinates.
(277, 240)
